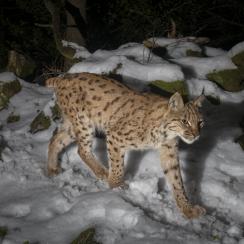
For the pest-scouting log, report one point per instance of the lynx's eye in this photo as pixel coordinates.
(184, 121)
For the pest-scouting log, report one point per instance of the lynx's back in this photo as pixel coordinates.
(101, 99)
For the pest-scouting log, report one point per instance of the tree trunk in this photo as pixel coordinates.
(72, 33)
(75, 31)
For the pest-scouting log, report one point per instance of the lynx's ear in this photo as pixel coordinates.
(176, 102)
(198, 101)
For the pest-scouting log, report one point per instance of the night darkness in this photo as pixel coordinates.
(109, 24)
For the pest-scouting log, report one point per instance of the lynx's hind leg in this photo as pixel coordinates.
(58, 142)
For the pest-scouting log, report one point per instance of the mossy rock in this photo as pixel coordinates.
(7, 90)
(12, 118)
(3, 101)
(40, 123)
(170, 87)
(23, 66)
(56, 112)
(238, 59)
(3, 145)
(86, 237)
(229, 79)
(192, 53)
(3, 232)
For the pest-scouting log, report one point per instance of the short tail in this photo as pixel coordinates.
(52, 82)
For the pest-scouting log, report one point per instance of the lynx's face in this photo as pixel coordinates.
(184, 121)
(190, 124)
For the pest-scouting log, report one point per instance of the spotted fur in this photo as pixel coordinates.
(130, 121)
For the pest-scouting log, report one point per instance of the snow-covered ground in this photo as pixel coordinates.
(39, 209)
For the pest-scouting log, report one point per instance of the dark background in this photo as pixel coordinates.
(109, 24)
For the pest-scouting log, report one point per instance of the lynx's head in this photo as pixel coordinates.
(184, 120)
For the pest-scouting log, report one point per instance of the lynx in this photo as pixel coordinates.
(130, 120)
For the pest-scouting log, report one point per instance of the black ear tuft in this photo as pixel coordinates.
(199, 100)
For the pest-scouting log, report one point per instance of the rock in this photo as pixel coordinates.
(228, 79)
(3, 101)
(7, 90)
(192, 53)
(86, 237)
(238, 59)
(170, 87)
(21, 65)
(236, 54)
(41, 122)
(13, 118)
(3, 232)
(56, 112)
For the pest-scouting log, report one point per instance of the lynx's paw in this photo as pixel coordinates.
(53, 171)
(115, 183)
(192, 212)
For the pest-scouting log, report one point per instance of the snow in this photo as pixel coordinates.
(200, 67)
(37, 208)
(212, 52)
(178, 49)
(81, 52)
(7, 76)
(239, 47)
(121, 65)
(197, 86)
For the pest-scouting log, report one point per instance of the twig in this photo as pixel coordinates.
(44, 25)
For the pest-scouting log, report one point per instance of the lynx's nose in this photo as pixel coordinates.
(196, 132)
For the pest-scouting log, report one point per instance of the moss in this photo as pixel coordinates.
(240, 141)
(3, 231)
(7, 90)
(41, 122)
(171, 87)
(86, 237)
(238, 59)
(56, 112)
(13, 118)
(3, 101)
(216, 237)
(229, 79)
(192, 53)
(23, 66)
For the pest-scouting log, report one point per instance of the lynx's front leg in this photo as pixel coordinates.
(171, 168)
(116, 164)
